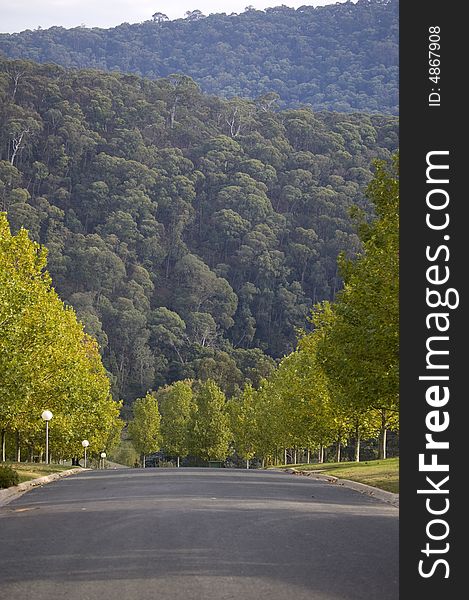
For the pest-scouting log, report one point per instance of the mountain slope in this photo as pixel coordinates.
(192, 234)
(340, 57)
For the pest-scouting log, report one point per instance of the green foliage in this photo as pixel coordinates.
(342, 57)
(243, 423)
(145, 429)
(124, 454)
(209, 433)
(176, 404)
(360, 350)
(46, 359)
(8, 477)
(191, 234)
(342, 380)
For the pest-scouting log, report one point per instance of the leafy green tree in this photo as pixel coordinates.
(268, 440)
(209, 432)
(243, 424)
(360, 351)
(46, 359)
(145, 428)
(176, 405)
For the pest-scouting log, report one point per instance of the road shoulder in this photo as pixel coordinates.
(9, 494)
(367, 490)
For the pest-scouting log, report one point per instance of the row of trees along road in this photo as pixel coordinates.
(341, 381)
(47, 361)
(185, 418)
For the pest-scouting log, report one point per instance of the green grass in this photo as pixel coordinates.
(28, 471)
(383, 474)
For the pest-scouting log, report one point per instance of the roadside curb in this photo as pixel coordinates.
(11, 493)
(368, 490)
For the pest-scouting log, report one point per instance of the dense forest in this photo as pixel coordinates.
(191, 234)
(341, 57)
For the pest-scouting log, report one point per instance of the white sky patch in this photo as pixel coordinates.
(18, 15)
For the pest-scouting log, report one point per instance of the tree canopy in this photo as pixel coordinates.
(145, 428)
(209, 432)
(342, 57)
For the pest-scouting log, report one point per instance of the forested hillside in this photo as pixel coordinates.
(191, 234)
(340, 57)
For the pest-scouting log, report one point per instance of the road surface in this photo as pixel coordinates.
(197, 534)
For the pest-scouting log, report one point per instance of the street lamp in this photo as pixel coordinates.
(47, 416)
(103, 456)
(85, 444)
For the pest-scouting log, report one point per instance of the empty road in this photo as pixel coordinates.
(197, 534)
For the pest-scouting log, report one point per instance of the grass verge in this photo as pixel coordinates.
(383, 474)
(28, 471)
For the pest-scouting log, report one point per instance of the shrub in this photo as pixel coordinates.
(8, 477)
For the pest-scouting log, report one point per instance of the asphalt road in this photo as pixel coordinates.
(197, 534)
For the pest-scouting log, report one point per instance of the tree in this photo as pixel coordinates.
(159, 17)
(243, 423)
(209, 427)
(360, 349)
(145, 428)
(268, 435)
(176, 405)
(194, 15)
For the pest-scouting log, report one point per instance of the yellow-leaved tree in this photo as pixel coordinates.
(47, 361)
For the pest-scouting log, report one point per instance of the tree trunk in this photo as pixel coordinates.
(285, 457)
(18, 446)
(263, 463)
(382, 443)
(308, 456)
(337, 454)
(173, 112)
(295, 456)
(3, 445)
(16, 143)
(178, 462)
(357, 444)
(321, 454)
(247, 463)
(143, 461)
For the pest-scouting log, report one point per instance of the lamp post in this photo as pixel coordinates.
(47, 416)
(103, 456)
(85, 444)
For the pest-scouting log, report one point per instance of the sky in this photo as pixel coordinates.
(18, 15)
